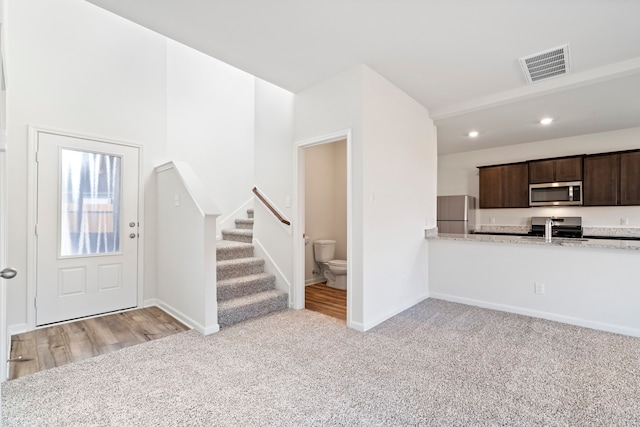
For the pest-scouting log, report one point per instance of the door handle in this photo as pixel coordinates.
(8, 273)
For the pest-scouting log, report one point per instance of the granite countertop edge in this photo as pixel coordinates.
(530, 240)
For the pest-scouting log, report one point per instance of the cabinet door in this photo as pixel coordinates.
(491, 187)
(601, 180)
(569, 169)
(541, 171)
(515, 186)
(630, 178)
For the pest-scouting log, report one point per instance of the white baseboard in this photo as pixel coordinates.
(152, 302)
(601, 326)
(368, 325)
(310, 282)
(204, 330)
(270, 267)
(356, 326)
(18, 328)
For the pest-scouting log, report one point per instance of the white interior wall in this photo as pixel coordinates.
(78, 68)
(123, 82)
(400, 169)
(210, 123)
(186, 214)
(325, 201)
(325, 108)
(274, 178)
(340, 197)
(458, 174)
(394, 159)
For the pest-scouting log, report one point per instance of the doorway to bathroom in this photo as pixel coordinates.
(326, 228)
(322, 268)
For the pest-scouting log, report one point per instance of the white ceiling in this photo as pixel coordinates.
(459, 58)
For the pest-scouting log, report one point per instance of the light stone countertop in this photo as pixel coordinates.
(531, 240)
(623, 231)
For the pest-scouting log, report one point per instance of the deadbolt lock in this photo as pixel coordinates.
(132, 224)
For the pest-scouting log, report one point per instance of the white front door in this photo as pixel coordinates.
(87, 227)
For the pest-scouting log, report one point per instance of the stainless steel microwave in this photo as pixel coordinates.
(556, 194)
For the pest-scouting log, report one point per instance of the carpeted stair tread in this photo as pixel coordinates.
(227, 269)
(244, 223)
(244, 290)
(238, 235)
(255, 305)
(229, 249)
(242, 286)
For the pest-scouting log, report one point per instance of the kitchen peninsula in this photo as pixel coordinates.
(593, 283)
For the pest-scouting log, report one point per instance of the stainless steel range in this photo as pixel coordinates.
(568, 226)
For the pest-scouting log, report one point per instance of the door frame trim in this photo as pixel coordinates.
(299, 218)
(32, 210)
(5, 337)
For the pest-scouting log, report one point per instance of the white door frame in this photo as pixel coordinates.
(299, 216)
(32, 188)
(5, 344)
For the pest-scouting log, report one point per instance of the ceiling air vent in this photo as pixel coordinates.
(543, 65)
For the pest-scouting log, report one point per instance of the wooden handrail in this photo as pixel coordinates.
(268, 205)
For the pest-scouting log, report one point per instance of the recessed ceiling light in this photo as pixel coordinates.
(473, 133)
(546, 120)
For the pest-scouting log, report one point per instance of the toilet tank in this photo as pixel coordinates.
(324, 250)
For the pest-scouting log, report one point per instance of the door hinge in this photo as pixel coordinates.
(35, 302)
(36, 229)
(37, 156)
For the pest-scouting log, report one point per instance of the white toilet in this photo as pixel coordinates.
(334, 270)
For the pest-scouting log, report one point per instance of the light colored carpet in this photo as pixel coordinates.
(438, 363)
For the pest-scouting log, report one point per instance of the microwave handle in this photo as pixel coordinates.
(571, 193)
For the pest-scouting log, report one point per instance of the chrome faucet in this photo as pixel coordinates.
(548, 231)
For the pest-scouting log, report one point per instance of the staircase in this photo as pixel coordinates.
(244, 289)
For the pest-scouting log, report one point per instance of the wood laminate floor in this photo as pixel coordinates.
(326, 300)
(61, 344)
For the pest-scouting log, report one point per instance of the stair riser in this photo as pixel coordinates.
(244, 224)
(254, 310)
(249, 213)
(223, 254)
(231, 271)
(244, 289)
(237, 238)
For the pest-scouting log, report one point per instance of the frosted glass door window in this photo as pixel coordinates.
(90, 203)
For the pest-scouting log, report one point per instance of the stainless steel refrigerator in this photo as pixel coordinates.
(456, 214)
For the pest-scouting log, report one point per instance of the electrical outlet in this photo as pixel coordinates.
(538, 288)
(492, 219)
(624, 221)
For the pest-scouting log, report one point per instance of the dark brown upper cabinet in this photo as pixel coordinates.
(504, 186)
(490, 187)
(555, 170)
(608, 179)
(601, 180)
(630, 178)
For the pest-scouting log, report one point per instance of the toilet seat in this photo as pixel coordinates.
(338, 263)
(338, 266)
